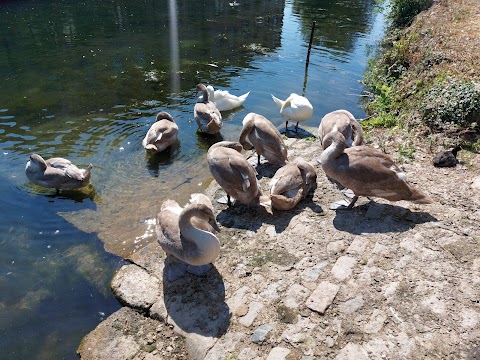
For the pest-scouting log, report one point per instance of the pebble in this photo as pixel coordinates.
(357, 246)
(343, 267)
(336, 247)
(242, 310)
(296, 296)
(224, 347)
(278, 353)
(376, 322)
(476, 183)
(238, 299)
(322, 297)
(197, 345)
(260, 334)
(253, 310)
(313, 273)
(352, 305)
(298, 333)
(352, 351)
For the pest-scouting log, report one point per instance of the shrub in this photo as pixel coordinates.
(402, 12)
(451, 101)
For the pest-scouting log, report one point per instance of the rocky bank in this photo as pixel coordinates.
(381, 281)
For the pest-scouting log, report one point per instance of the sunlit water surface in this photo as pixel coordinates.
(84, 80)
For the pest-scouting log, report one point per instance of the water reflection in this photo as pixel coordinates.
(338, 23)
(174, 47)
(158, 161)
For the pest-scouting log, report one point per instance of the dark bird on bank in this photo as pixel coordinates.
(447, 158)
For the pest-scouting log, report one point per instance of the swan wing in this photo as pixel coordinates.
(59, 163)
(167, 229)
(287, 178)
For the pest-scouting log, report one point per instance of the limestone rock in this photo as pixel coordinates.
(135, 287)
(322, 297)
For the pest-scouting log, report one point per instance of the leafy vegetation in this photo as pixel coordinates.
(452, 101)
(402, 12)
(416, 79)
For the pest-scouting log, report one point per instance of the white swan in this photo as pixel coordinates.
(296, 108)
(187, 235)
(58, 173)
(223, 100)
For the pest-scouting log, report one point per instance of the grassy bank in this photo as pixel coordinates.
(425, 77)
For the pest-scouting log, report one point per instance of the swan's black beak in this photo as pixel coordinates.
(214, 224)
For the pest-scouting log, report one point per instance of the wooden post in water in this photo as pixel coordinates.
(308, 58)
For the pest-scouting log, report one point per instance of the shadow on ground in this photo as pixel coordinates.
(379, 218)
(196, 304)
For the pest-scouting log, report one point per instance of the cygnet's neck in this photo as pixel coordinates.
(207, 244)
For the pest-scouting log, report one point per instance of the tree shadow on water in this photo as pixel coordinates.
(379, 218)
(196, 304)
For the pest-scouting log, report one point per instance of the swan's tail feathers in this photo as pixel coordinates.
(88, 173)
(419, 198)
(244, 97)
(151, 147)
(266, 203)
(278, 101)
(282, 202)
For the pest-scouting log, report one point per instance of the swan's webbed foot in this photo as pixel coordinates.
(199, 270)
(175, 268)
(223, 200)
(354, 200)
(339, 204)
(343, 204)
(348, 193)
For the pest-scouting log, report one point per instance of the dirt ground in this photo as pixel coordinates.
(383, 280)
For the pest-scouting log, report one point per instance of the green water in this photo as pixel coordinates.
(84, 80)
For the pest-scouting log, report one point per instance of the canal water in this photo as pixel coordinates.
(84, 80)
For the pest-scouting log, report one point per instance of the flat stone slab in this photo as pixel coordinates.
(322, 297)
(278, 353)
(343, 267)
(260, 334)
(122, 336)
(135, 287)
(253, 310)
